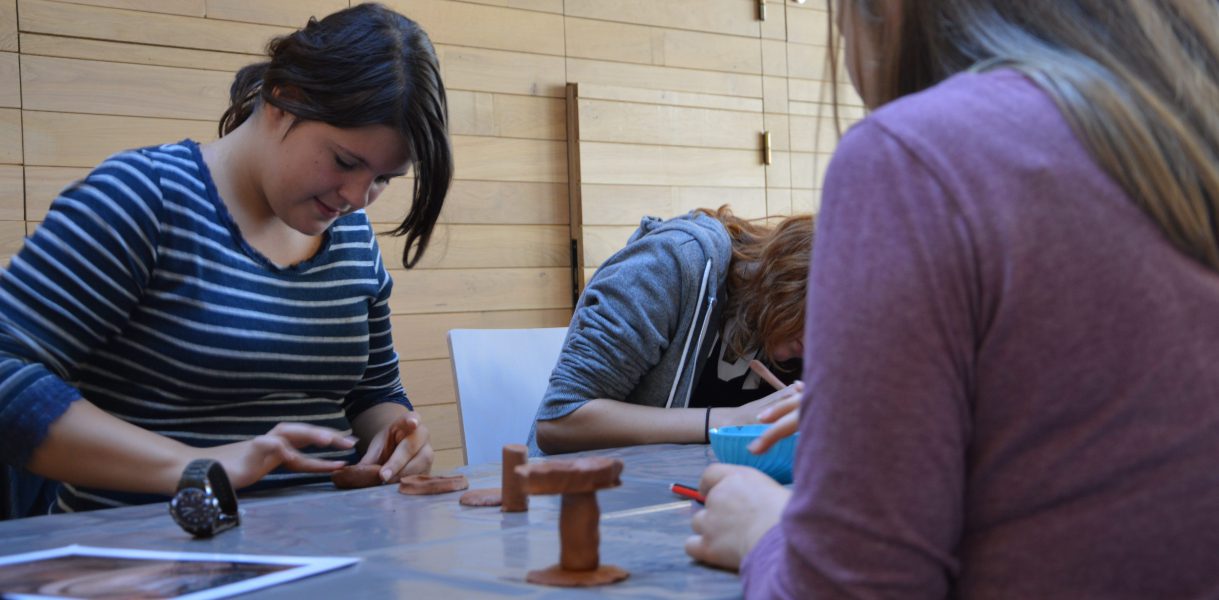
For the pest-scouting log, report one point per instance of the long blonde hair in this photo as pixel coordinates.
(767, 281)
(1138, 80)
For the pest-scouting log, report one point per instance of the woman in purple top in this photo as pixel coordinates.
(1012, 387)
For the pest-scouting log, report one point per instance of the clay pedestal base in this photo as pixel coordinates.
(556, 576)
(483, 497)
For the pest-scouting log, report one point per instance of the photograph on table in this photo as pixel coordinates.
(90, 572)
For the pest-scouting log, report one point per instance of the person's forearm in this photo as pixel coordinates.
(88, 447)
(604, 423)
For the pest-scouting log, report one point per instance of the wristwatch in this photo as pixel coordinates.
(205, 503)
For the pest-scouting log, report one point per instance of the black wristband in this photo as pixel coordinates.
(707, 427)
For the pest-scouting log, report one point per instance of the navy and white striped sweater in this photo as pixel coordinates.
(139, 293)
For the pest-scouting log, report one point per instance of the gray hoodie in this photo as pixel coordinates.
(643, 320)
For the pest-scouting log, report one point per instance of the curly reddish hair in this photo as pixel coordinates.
(767, 280)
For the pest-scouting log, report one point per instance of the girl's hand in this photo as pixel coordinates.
(742, 505)
(752, 412)
(402, 448)
(247, 462)
(785, 414)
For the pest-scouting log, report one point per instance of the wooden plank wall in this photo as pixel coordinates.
(672, 106)
(670, 112)
(81, 79)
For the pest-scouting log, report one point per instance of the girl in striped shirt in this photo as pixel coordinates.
(228, 300)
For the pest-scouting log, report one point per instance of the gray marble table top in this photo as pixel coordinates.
(430, 546)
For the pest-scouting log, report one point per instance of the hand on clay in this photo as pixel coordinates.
(403, 448)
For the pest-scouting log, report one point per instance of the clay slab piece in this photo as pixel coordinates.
(483, 497)
(580, 475)
(556, 576)
(357, 476)
(426, 485)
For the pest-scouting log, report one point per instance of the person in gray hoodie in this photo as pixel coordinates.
(659, 346)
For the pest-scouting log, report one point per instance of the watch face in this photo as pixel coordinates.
(195, 510)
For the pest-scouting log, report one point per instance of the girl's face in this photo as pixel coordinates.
(317, 172)
(862, 54)
(788, 351)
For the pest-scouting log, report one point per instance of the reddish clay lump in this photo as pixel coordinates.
(357, 476)
(362, 476)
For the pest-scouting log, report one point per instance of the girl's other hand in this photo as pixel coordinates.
(750, 413)
(785, 416)
(249, 461)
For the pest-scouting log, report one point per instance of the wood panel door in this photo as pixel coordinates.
(667, 113)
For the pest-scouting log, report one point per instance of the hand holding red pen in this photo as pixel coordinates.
(742, 504)
(687, 492)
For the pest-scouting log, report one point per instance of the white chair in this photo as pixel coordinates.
(501, 376)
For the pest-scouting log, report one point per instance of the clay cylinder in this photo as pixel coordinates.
(579, 532)
(514, 497)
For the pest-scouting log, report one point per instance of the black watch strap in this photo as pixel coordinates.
(207, 471)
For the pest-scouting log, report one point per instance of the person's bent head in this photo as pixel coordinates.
(360, 67)
(1138, 80)
(767, 284)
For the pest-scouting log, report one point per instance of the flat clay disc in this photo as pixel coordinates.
(483, 497)
(553, 575)
(357, 476)
(426, 485)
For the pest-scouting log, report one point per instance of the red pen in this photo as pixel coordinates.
(687, 491)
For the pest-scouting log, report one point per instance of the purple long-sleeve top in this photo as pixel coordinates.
(1012, 375)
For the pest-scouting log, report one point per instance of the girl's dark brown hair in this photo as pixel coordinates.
(1138, 80)
(767, 280)
(365, 65)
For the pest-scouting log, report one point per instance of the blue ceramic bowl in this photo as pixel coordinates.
(729, 445)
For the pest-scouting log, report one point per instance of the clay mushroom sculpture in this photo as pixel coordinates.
(579, 518)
